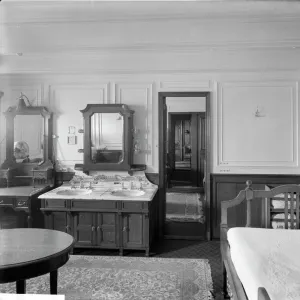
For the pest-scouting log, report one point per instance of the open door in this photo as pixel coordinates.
(200, 163)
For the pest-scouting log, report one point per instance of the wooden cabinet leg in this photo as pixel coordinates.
(21, 286)
(147, 252)
(121, 251)
(53, 282)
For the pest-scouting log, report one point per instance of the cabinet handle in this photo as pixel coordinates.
(67, 228)
(93, 228)
(21, 203)
(98, 227)
(1, 201)
(124, 228)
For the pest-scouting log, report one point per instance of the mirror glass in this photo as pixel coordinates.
(28, 138)
(107, 131)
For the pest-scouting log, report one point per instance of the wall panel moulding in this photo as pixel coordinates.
(251, 116)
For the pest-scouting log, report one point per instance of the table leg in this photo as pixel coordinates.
(53, 282)
(21, 286)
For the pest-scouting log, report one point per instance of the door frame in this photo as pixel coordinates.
(162, 132)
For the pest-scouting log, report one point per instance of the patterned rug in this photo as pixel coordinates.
(185, 207)
(134, 278)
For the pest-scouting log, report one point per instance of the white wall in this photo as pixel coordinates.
(186, 104)
(245, 61)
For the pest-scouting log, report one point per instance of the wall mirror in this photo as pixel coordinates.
(29, 138)
(28, 144)
(107, 137)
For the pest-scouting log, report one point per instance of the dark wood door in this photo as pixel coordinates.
(133, 230)
(107, 235)
(58, 220)
(85, 228)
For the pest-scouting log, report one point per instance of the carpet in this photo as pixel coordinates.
(185, 207)
(134, 278)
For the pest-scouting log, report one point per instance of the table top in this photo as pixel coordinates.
(27, 245)
(19, 191)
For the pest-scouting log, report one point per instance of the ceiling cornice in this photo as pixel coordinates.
(174, 71)
(178, 47)
(36, 21)
(45, 13)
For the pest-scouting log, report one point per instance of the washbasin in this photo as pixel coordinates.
(69, 192)
(130, 193)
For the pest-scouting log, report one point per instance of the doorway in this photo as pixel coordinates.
(186, 150)
(184, 156)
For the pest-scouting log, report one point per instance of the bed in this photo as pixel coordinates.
(263, 263)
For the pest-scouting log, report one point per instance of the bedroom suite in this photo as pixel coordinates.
(149, 150)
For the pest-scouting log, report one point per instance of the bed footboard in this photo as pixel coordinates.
(290, 193)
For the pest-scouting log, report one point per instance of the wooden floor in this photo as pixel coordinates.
(185, 230)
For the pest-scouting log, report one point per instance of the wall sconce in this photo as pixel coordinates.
(259, 112)
(135, 130)
(136, 147)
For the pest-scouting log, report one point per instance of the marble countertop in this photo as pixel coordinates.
(99, 193)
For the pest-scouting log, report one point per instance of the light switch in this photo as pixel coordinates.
(72, 129)
(72, 139)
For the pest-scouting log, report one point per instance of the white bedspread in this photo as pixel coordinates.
(268, 258)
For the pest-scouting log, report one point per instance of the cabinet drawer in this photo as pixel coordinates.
(93, 205)
(7, 201)
(55, 203)
(134, 206)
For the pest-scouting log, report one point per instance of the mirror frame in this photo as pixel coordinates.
(10, 115)
(127, 114)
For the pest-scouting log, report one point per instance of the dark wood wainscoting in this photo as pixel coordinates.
(227, 186)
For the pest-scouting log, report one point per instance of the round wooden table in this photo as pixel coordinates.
(29, 252)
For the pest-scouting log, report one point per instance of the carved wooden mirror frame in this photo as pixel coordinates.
(126, 163)
(41, 170)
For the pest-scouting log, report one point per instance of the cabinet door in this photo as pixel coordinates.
(84, 228)
(106, 230)
(133, 230)
(10, 219)
(58, 220)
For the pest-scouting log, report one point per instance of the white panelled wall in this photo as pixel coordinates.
(249, 59)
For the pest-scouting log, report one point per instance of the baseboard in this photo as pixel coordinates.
(185, 190)
(179, 237)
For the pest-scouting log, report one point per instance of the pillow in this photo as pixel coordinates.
(282, 216)
(281, 225)
(275, 203)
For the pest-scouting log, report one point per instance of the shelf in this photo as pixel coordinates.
(281, 210)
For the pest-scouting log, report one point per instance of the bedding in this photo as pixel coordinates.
(279, 201)
(267, 258)
(277, 223)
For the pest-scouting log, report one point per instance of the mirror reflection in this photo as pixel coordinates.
(107, 137)
(28, 138)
